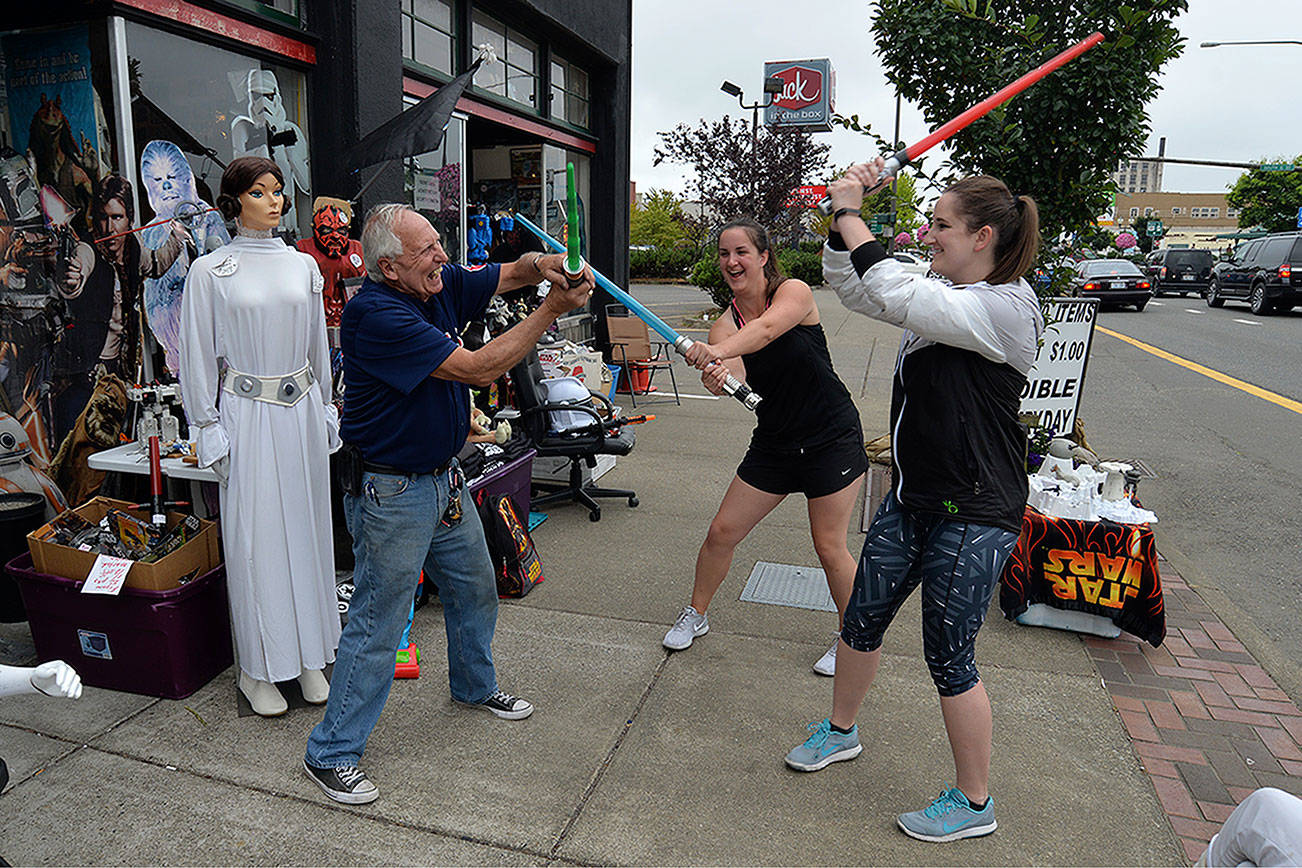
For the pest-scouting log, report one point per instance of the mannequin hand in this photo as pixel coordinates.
(57, 678)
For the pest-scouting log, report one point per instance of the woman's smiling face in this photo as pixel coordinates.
(954, 247)
(739, 259)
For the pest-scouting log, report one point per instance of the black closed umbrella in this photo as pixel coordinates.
(415, 131)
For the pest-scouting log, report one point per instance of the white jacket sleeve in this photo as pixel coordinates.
(929, 308)
(200, 373)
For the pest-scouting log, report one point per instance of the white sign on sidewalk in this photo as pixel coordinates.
(107, 575)
(1053, 386)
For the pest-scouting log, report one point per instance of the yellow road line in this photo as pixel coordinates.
(1278, 400)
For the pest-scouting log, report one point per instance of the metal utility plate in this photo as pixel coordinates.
(788, 585)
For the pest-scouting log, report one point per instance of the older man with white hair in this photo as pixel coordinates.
(407, 412)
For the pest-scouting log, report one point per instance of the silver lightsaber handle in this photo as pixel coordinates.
(731, 385)
(894, 163)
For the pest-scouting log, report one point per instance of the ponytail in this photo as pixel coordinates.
(987, 201)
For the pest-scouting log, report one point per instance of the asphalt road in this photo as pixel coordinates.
(1228, 478)
(1226, 461)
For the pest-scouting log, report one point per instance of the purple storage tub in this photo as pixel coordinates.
(514, 479)
(159, 643)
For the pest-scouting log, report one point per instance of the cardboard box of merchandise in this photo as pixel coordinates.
(193, 559)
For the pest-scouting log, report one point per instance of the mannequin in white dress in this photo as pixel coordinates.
(255, 380)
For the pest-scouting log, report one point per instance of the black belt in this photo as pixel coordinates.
(374, 467)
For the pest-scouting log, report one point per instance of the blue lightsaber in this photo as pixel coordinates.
(680, 343)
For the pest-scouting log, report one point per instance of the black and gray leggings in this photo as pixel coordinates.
(957, 563)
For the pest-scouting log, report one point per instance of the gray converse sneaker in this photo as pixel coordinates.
(504, 705)
(689, 625)
(348, 785)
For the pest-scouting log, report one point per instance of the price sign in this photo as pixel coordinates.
(107, 575)
(1053, 386)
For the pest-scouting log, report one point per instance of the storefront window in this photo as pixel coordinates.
(215, 105)
(569, 95)
(428, 37)
(578, 325)
(514, 74)
(435, 182)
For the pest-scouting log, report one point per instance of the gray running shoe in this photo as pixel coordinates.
(824, 747)
(949, 818)
(689, 625)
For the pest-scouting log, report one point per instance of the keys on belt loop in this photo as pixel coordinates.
(452, 515)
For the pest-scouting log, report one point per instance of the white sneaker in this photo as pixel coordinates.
(689, 625)
(826, 664)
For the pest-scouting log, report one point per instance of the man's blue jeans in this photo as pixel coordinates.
(396, 527)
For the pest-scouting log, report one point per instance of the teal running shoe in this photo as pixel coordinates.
(949, 818)
(824, 747)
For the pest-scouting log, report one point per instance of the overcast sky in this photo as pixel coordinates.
(1234, 103)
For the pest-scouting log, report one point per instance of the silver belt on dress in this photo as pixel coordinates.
(284, 389)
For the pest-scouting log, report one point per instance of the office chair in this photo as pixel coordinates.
(581, 443)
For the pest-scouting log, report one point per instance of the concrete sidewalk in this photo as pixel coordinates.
(637, 755)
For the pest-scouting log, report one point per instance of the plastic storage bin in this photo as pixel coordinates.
(512, 479)
(159, 643)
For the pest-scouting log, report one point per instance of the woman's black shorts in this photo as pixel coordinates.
(815, 471)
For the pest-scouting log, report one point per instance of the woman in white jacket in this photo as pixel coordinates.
(959, 454)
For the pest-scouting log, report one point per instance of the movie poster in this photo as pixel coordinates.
(52, 112)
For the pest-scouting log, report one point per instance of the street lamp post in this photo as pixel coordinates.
(772, 87)
(1251, 42)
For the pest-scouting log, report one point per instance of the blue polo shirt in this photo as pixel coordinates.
(394, 411)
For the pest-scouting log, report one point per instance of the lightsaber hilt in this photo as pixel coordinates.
(731, 385)
(742, 393)
(573, 278)
(158, 505)
(894, 163)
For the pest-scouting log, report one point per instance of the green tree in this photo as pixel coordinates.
(1059, 140)
(659, 221)
(1268, 199)
(732, 179)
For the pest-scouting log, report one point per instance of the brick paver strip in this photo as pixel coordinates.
(1208, 724)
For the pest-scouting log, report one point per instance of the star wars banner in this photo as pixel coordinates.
(1100, 567)
(52, 111)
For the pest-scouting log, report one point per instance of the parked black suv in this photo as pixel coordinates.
(1179, 270)
(1267, 272)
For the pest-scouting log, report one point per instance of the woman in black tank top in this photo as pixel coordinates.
(807, 435)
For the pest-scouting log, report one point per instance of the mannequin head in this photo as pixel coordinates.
(330, 221)
(252, 193)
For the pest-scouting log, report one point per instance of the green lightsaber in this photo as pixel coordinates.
(573, 259)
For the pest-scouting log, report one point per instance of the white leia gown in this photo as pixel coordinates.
(256, 305)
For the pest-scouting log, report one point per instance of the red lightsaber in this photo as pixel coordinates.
(902, 158)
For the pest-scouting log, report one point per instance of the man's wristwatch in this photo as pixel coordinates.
(836, 215)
